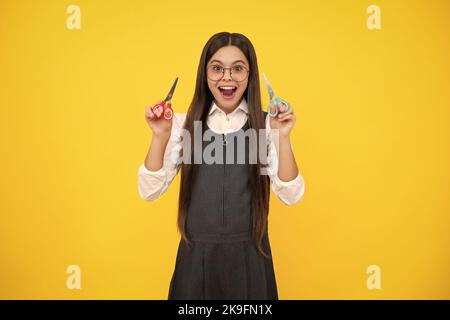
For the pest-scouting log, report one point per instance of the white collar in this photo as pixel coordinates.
(243, 106)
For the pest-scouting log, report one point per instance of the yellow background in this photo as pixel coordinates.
(371, 140)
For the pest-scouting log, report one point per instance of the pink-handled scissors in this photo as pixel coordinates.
(165, 106)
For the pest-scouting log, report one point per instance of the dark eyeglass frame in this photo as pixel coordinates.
(231, 73)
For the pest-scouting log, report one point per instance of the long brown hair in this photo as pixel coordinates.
(198, 111)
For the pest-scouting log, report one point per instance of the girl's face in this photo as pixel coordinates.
(227, 91)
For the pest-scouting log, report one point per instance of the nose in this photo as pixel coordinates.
(227, 74)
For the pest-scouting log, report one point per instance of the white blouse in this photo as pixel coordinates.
(153, 184)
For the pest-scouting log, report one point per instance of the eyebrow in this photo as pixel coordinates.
(237, 61)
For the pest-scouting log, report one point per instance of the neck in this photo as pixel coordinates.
(229, 110)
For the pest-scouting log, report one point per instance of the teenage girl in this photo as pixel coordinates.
(224, 250)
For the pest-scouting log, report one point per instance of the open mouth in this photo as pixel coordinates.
(228, 92)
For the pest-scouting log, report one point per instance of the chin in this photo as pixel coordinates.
(228, 104)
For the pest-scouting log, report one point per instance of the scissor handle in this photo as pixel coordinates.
(273, 109)
(168, 111)
(158, 105)
(278, 100)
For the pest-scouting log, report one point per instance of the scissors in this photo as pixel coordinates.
(166, 105)
(273, 109)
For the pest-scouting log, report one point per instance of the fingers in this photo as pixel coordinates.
(158, 110)
(149, 113)
(154, 111)
(285, 117)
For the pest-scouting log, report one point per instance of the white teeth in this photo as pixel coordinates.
(226, 88)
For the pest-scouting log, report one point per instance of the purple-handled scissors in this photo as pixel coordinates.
(276, 104)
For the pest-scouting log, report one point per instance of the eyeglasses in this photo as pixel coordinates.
(216, 72)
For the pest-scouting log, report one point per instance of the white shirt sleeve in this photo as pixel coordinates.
(153, 184)
(289, 192)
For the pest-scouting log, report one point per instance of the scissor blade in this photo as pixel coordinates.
(269, 88)
(169, 96)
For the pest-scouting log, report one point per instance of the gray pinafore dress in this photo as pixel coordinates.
(222, 261)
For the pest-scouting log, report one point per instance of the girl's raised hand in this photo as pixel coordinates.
(284, 121)
(155, 120)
